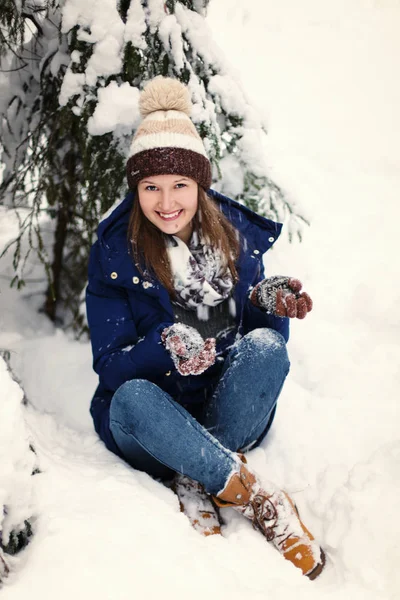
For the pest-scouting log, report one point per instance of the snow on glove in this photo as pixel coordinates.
(191, 354)
(281, 296)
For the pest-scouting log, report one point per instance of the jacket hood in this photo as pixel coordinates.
(258, 231)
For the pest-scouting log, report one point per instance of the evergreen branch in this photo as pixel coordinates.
(27, 279)
(9, 46)
(13, 70)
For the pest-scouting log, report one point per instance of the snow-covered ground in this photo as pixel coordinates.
(325, 75)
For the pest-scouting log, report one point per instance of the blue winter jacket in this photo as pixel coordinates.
(126, 314)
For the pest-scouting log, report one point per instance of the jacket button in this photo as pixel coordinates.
(114, 275)
(146, 284)
(135, 279)
(271, 239)
(256, 252)
(168, 373)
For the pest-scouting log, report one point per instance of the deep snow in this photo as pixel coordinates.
(325, 75)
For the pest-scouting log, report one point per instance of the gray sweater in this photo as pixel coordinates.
(217, 325)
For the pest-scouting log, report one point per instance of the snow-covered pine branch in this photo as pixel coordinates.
(17, 464)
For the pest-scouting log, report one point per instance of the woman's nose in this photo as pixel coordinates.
(166, 201)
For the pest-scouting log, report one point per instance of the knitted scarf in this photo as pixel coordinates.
(200, 276)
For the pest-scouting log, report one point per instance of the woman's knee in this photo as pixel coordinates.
(131, 397)
(266, 344)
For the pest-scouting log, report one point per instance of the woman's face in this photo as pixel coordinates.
(170, 203)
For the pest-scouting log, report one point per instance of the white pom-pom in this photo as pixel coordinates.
(164, 93)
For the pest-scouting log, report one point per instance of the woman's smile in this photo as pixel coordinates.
(172, 216)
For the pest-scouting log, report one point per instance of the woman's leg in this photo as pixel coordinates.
(155, 434)
(242, 408)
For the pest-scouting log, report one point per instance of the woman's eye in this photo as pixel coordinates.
(150, 188)
(181, 185)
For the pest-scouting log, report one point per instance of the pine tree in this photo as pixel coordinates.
(41, 140)
(73, 108)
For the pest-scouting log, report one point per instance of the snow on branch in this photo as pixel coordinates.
(17, 462)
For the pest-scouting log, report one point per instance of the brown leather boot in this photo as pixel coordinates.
(197, 505)
(275, 515)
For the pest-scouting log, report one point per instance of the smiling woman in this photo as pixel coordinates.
(170, 203)
(176, 207)
(181, 319)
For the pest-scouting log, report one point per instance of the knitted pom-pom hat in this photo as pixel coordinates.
(166, 142)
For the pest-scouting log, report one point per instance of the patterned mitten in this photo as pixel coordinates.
(191, 354)
(280, 296)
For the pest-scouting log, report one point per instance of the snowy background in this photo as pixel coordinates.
(325, 76)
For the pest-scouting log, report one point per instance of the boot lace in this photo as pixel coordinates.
(265, 515)
(265, 518)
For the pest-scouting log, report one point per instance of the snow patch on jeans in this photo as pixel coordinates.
(266, 336)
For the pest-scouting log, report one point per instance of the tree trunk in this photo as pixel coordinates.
(67, 202)
(60, 236)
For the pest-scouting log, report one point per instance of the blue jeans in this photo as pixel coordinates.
(157, 435)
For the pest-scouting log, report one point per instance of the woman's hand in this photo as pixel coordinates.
(281, 296)
(191, 354)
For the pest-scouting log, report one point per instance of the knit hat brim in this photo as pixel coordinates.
(165, 161)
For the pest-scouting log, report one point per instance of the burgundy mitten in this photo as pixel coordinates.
(191, 354)
(281, 296)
